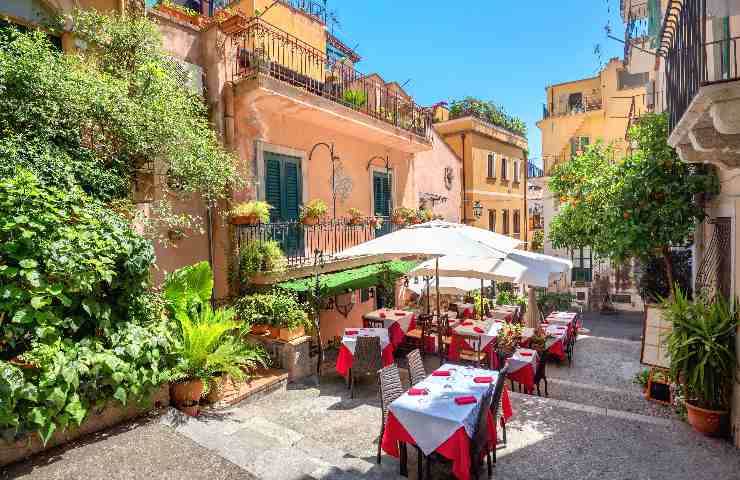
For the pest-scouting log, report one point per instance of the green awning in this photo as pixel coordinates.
(349, 280)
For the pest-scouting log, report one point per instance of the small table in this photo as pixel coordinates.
(435, 423)
(555, 343)
(486, 329)
(398, 322)
(349, 342)
(523, 367)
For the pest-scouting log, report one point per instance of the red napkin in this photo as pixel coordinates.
(525, 354)
(499, 321)
(467, 324)
(466, 400)
(477, 329)
(417, 391)
(440, 373)
(483, 379)
(382, 315)
(351, 332)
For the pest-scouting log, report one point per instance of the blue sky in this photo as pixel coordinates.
(492, 49)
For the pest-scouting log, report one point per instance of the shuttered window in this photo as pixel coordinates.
(516, 221)
(505, 222)
(382, 197)
(504, 173)
(492, 220)
(491, 165)
(283, 186)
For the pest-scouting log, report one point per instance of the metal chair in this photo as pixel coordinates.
(417, 372)
(366, 360)
(372, 323)
(541, 373)
(389, 380)
(479, 446)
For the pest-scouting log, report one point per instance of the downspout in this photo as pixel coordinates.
(464, 210)
(526, 192)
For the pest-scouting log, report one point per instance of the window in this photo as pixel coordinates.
(505, 222)
(575, 102)
(492, 220)
(627, 80)
(491, 165)
(516, 170)
(504, 164)
(516, 221)
(578, 145)
(582, 271)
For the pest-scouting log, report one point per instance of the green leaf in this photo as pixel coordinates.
(28, 263)
(76, 410)
(57, 398)
(120, 395)
(39, 302)
(47, 431)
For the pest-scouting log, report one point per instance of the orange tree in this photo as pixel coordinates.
(638, 207)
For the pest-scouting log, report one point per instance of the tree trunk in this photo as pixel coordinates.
(669, 272)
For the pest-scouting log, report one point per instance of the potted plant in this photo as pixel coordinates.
(180, 12)
(375, 222)
(355, 216)
(259, 256)
(423, 215)
(312, 212)
(233, 24)
(509, 337)
(538, 340)
(402, 216)
(701, 346)
(285, 317)
(250, 213)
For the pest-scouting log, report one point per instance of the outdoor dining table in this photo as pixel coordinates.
(523, 367)
(486, 329)
(349, 342)
(569, 319)
(501, 314)
(398, 322)
(434, 417)
(465, 309)
(557, 335)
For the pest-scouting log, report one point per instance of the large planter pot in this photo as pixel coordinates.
(245, 220)
(287, 334)
(260, 329)
(310, 220)
(186, 392)
(708, 422)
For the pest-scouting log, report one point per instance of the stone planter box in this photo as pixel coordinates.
(293, 355)
(265, 381)
(111, 415)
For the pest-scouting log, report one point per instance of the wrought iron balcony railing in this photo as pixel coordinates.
(585, 103)
(265, 49)
(299, 242)
(691, 61)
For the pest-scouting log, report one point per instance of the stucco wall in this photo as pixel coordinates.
(429, 170)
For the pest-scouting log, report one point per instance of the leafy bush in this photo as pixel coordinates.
(260, 256)
(278, 308)
(489, 112)
(548, 302)
(69, 268)
(653, 282)
(701, 347)
(538, 241)
(259, 209)
(354, 98)
(510, 298)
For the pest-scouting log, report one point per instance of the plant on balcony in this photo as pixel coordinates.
(639, 207)
(181, 12)
(355, 216)
(312, 212)
(250, 213)
(354, 98)
(259, 256)
(403, 216)
(489, 112)
(424, 215)
(701, 347)
(375, 222)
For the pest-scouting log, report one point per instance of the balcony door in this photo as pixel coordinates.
(283, 191)
(383, 200)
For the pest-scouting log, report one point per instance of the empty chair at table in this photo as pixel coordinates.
(471, 350)
(541, 374)
(440, 327)
(496, 404)
(418, 336)
(389, 379)
(417, 372)
(366, 360)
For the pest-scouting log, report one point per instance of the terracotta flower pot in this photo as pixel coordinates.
(355, 221)
(191, 411)
(235, 23)
(399, 220)
(245, 220)
(709, 422)
(310, 220)
(186, 392)
(260, 329)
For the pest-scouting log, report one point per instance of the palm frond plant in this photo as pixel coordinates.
(250, 213)
(701, 347)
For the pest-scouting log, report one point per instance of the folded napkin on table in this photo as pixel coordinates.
(417, 391)
(525, 354)
(465, 400)
(382, 315)
(467, 324)
(400, 314)
(440, 373)
(477, 329)
(483, 379)
(351, 332)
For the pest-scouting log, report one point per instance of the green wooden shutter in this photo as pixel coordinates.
(292, 184)
(273, 194)
(381, 194)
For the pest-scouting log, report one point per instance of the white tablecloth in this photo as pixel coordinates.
(557, 332)
(561, 318)
(518, 361)
(431, 419)
(391, 317)
(490, 328)
(350, 341)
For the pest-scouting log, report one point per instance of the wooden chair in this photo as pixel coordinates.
(416, 338)
(417, 372)
(474, 354)
(373, 323)
(389, 380)
(498, 391)
(366, 360)
(442, 330)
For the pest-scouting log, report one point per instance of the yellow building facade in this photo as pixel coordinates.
(494, 173)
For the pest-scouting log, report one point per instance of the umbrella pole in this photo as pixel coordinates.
(481, 298)
(436, 272)
(429, 299)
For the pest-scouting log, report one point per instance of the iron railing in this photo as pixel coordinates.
(551, 161)
(265, 49)
(691, 61)
(299, 242)
(311, 8)
(584, 103)
(636, 25)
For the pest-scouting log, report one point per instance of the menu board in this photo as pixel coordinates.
(655, 331)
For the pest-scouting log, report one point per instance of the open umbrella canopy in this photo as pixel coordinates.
(435, 239)
(447, 286)
(519, 266)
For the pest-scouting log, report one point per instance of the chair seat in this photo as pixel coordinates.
(471, 356)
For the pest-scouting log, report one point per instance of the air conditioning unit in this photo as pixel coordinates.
(188, 75)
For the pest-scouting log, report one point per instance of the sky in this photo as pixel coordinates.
(505, 51)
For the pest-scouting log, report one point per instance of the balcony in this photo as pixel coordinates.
(300, 242)
(702, 84)
(264, 53)
(576, 104)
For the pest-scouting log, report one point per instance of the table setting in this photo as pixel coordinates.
(398, 322)
(349, 342)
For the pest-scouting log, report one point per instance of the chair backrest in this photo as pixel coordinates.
(417, 372)
(389, 379)
(367, 355)
(498, 390)
(481, 436)
(372, 323)
(443, 330)
(541, 367)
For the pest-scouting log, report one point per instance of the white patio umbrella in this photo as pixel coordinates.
(447, 286)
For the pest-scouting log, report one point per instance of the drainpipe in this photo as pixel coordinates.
(526, 191)
(464, 209)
